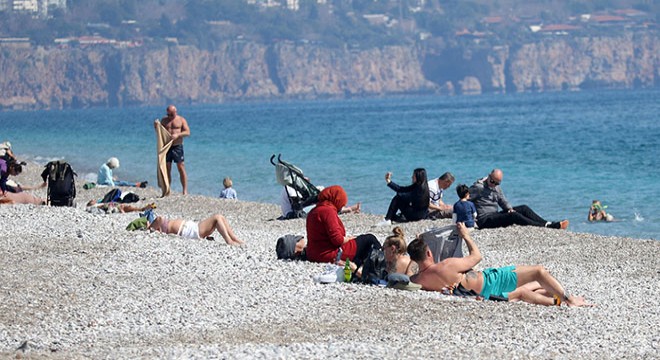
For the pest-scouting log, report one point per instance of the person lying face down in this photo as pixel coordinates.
(193, 230)
(532, 284)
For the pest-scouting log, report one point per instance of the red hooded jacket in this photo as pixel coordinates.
(325, 231)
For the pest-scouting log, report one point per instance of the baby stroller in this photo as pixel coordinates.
(299, 192)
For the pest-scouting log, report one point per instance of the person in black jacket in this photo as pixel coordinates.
(412, 200)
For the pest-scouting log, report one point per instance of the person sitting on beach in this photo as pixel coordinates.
(105, 175)
(437, 208)
(464, 210)
(326, 233)
(396, 254)
(597, 212)
(14, 168)
(487, 195)
(193, 230)
(228, 192)
(94, 206)
(411, 200)
(532, 284)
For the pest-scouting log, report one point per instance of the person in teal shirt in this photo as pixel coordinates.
(105, 175)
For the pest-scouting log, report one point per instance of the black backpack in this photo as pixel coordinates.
(113, 195)
(374, 268)
(61, 183)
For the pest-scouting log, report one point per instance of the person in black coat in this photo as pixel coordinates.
(411, 201)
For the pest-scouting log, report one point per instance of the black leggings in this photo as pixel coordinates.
(364, 243)
(523, 215)
(403, 203)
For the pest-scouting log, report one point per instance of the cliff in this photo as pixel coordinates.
(38, 78)
(557, 63)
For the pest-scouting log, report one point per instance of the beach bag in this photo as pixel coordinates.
(129, 197)
(286, 248)
(61, 183)
(444, 242)
(374, 268)
(113, 195)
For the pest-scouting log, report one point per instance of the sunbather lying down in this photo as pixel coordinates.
(532, 284)
(21, 198)
(192, 230)
(115, 207)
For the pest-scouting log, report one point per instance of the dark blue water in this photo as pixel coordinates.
(558, 151)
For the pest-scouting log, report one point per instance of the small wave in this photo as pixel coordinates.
(638, 217)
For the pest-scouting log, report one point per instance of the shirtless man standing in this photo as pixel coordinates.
(532, 284)
(177, 126)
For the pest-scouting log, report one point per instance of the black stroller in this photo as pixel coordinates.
(300, 192)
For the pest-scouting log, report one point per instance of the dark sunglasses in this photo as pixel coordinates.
(490, 180)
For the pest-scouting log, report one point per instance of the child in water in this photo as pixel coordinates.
(597, 212)
(228, 192)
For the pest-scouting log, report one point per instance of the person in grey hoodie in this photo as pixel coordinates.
(488, 197)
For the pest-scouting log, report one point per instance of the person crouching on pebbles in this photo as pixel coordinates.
(193, 230)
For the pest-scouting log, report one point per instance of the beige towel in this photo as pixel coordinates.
(163, 144)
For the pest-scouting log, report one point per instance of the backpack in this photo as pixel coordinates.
(61, 183)
(129, 197)
(374, 268)
(444, 242)
(113, 195)
(286, 248)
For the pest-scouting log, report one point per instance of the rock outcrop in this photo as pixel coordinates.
(558, 63)
(38, 78)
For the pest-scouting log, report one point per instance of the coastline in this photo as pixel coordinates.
(77, 285)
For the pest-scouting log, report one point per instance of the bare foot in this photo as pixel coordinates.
(356, 208)
(563, 224)
(578, 301)
(237, 241)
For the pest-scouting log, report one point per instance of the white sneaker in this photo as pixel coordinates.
(384, 223)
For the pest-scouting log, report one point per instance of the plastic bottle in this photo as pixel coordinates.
(347, 270)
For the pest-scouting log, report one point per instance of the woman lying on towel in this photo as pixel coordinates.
(193, 230)
(326, 233)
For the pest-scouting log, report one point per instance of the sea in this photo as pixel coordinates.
(558, 151)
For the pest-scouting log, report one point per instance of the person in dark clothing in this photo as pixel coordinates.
(487, 196)
(412, 200)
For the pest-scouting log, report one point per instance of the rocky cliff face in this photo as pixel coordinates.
(558, 63)
(37, 78)
(59, 78)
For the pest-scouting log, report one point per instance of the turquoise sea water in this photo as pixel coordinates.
(558, 151)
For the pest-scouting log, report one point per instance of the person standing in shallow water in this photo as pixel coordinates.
(177, 126)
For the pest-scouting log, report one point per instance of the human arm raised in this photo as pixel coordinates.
(466, 263)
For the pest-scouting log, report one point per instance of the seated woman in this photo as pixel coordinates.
(105, 176)
(396, 254)
(13, 168)
(326, 233)
(411, 200)
(192, 230)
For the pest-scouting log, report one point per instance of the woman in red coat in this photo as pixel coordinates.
(326, 233)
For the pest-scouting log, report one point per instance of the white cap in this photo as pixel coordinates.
(113, 163)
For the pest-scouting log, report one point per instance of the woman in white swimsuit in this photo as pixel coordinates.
(192, 230)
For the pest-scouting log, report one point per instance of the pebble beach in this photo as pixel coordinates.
(77, 285)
